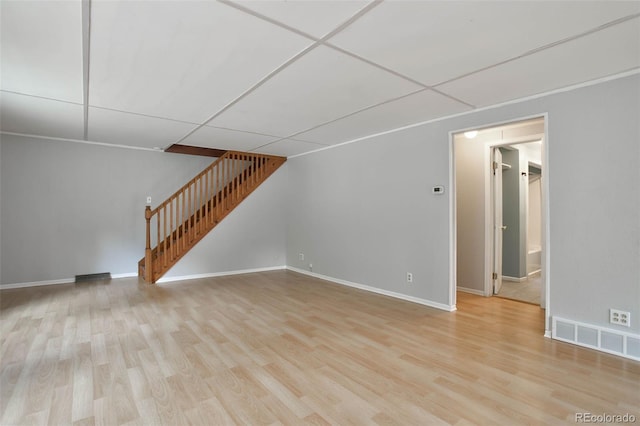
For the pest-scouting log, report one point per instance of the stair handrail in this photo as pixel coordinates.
(226, 156)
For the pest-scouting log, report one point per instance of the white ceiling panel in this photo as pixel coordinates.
(37, 116)
(181, 60)
(132, 129)
(41, 50)
(435, 41)
(159, 69)
(321, 86)
(412, 109)
(213, 137)
(316, 18)
(597, 55)
(289, 147)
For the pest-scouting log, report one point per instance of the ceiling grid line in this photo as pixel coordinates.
(252, 89)
(285, 139)
(325, 42)
(41, 97)
(267, 19)
(344, 116)
(283, 65)
(542, 48)
(396, 73)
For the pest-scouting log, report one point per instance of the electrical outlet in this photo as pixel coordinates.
(620, 317)
(409, 277)
(301, 256)
(148, 200)
(311, 267)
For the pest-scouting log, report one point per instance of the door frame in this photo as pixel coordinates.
(497, 234)
(488, 255)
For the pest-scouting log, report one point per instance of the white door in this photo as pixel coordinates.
(498, 227)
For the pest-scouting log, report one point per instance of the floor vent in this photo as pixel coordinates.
(93, 277)
(600, 338)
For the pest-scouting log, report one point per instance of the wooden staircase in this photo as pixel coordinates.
(184, 218)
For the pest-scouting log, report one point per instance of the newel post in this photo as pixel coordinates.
(148, 261)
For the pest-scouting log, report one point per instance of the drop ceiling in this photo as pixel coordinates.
(288, 77)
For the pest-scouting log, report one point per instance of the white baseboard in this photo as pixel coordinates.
(37, 283)
(125, 275)
(470, 290)
(62, 281)
(135, 274)
(603, 339)
(444, 307)
(514, 279)
(218, 274)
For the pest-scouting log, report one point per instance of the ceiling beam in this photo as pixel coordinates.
(195, 150)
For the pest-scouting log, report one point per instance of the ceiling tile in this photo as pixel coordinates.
(321, 86)
(42, 48)
(180, 60)
(411, 109)
(289, 147)
(600, 54)
(435, 41)
(213, 137)
(316, 18)
(133, 129)
(38, 116)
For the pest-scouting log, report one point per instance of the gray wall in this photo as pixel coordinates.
(363, 212)
(71, 208)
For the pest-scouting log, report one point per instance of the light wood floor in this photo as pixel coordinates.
(283, 348)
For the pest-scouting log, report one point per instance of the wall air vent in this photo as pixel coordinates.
(93, 277)
(600, 338)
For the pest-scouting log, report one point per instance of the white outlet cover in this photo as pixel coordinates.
(620, 317)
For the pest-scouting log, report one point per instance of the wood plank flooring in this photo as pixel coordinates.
(282, 348)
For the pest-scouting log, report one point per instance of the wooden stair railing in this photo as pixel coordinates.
(184, 218)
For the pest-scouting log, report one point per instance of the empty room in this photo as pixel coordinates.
(319, 212)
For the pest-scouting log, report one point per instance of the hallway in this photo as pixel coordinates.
(526, 291)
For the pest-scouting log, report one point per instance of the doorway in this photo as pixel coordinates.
(517, 217)
(477, 231)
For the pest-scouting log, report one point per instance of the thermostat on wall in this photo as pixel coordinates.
(438, 190)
